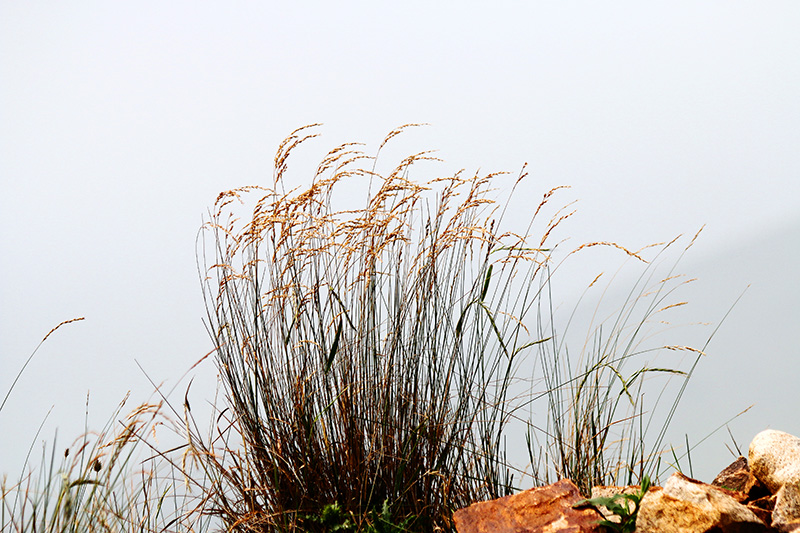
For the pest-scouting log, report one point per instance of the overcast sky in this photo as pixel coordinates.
(121, 122)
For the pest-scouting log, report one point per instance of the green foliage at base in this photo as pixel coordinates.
(334, 519)
(624, 506)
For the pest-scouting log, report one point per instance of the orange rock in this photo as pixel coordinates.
(538, 510)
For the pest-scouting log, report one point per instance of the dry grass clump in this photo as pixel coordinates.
(367, 355)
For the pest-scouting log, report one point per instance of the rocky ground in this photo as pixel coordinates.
(759, 493)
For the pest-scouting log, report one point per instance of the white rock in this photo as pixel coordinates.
(774, 459)
(685, 505)
(786, 515)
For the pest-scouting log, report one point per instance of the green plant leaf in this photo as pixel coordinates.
(618, 504)
(529, 344)
(334, 347)
(497, 332)
(486, 282)
(460, 323)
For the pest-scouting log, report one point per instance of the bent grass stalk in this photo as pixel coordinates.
(30, 357)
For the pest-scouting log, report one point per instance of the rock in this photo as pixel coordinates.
(538, 510)
(786, 515)
(685, 505)
(763, 507)
(765, 502)
(775, 459)
(737, 477)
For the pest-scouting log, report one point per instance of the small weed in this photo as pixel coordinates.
(620, 505)
(334, 519)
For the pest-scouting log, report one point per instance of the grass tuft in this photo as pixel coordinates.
(368, 354)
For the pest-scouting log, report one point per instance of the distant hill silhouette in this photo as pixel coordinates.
(755, 356)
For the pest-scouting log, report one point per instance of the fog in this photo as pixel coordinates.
(121, 124)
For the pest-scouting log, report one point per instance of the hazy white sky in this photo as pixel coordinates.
(121, 122)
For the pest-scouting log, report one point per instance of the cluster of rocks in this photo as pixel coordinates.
(760, 493)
